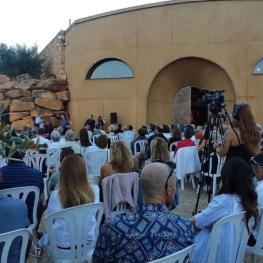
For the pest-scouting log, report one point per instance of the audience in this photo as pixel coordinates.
(188, 133)
(84, 140)
(141, 136)
(151, 232)
(151, 130)
(17, 174)
(55, 140)
(257, 166)
(166, 131)
(70, 141)
(111, 130)
(176, 137)
(41, 137)
(13, 217)
(74, 190)
(236, 194)
(118, 130)
(55, 178)
(121, 160)
(243, 140)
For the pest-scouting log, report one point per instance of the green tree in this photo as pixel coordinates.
(20, 59)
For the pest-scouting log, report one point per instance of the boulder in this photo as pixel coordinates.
(1, 96)
(45, 112)
(7, 85)
(26, 117)
(23, 77)
(62, 76)
(59, 113)
(52, 120)
(52, 84)
(16, 94)
(63, 95)
(27, 99)
(49, 104)
(21, 106)
(23, 86)
(18, 115)
(4, 79)
(19, 124)
(46, 94)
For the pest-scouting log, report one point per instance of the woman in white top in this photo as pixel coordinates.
(74, 190)
(236, 194)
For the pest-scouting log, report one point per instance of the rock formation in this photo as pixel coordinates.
(28, 97)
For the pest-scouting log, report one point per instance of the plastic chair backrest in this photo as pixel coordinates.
(94, 138)
(94, 160)
(36, 160)
(241, 237)
(113, 138)
(177, 257)
(197, 142)
(141, 144)
(78, 220)
(171, 146)
(257, 249)
(22, 193)
(121, 209)
(52, 157)
(128, 140)
(8, 238)
(30, 152)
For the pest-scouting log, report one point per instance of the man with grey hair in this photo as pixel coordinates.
(150, 233)
(70, 141)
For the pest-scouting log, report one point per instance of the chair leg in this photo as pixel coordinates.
(193, 181)
(182, 183)
(214, 186)
(252, 258)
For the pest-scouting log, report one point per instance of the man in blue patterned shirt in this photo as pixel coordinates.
(152, 231)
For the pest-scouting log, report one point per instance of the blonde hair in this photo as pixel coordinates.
(121, 157)
(159, 149)
(74, 187)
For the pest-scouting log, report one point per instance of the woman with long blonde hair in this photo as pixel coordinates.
(121, 160)
(243, 140)
(74, 190)
(159, 150)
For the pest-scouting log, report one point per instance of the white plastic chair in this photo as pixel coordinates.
(217, 174)
(94, 138)
(171, 146)
(121, 208)
(78, 227)
(197, 142)
(8, 238)
(94, 160)
(177, 257)
(113, 138)
(257, 249)
(187, 162)
(141, 144)
(128, 140)
(22, 193)
(240, 239)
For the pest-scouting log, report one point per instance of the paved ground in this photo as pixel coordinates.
(185, 208)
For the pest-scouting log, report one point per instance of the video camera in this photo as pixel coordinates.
(214, 98)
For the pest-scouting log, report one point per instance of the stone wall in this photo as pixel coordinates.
(27, 97)
(54, 56)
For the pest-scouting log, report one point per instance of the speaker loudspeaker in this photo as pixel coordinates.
(113, 118)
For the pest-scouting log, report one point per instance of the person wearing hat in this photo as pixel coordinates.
(257, 166)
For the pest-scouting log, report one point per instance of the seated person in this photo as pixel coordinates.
(121, 160)
(257, 166)
(55, 178)
(80, 192)
(70, 141)
(236, 194)
(141, 136)
(188, 133)
(138, 230)
(13, 217)
(176, 137)
(41, 136)
(84, 140)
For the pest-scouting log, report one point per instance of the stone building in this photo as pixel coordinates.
(147, 63)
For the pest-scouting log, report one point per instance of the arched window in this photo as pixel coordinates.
(258, 68)
(109, 68)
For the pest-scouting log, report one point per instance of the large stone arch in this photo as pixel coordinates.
(188, 71)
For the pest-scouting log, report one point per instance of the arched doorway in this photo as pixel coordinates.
(185, 72)
(188, 107)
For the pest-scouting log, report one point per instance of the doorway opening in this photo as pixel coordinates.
(189, 108)
(199, 110)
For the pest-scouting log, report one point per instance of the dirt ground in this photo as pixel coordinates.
(187, 203)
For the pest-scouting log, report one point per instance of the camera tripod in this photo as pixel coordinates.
(214, 124)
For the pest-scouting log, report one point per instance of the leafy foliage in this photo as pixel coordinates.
(19, 59)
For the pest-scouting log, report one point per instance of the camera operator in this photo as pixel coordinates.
(243, 140)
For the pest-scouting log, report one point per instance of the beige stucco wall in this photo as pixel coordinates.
(227, 35)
